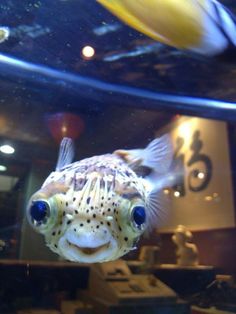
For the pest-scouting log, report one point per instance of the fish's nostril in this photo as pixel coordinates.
(75, 230)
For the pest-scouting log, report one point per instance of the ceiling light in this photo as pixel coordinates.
(7, 149)
(177, 194)
(3, 168)
(88, 52)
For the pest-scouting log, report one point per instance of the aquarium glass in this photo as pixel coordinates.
(70, 68)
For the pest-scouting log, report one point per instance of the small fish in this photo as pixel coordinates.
(95, 210)
(203, 27)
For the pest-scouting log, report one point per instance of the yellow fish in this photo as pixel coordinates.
(94, 210)
(204, 27)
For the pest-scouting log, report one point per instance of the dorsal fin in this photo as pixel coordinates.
(66, 153)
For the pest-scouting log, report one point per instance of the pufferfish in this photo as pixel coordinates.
(204, 27)
(95, 210)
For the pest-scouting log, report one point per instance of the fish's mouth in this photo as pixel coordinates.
(89, 250)
(85, 250)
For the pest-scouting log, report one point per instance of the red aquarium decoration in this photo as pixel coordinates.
(64, 124)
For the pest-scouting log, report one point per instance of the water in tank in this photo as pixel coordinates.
(117, 156)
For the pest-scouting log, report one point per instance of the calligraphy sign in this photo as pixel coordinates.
(201, 197)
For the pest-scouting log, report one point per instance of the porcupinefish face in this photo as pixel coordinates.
(91, 211)
(94, 210)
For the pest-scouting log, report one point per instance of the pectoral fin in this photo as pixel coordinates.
(157, 209)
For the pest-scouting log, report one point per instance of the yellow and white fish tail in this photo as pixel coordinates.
(201, 26)
(175, 23)
(219, 29)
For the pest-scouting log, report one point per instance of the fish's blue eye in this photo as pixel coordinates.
(39, 210)
(139, 215)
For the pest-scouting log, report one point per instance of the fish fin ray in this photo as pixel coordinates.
(133, 156)
(157, 206)
(66, 153)
(158, 155)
